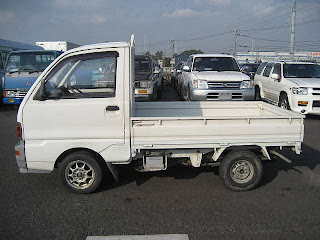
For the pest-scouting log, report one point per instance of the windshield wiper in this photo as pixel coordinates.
(38, 70)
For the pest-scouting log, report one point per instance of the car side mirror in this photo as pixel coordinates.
(275, 76)
(186, 69)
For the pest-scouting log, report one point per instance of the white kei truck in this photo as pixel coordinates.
(70, 122)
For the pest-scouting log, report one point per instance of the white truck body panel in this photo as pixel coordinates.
(57, 45)
(169, 125)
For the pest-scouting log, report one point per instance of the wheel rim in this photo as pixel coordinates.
(242, 171)
(79, 174)
(284, 104)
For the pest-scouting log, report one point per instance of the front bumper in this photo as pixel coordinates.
(313, 106)
(7, 100)
(222, 95)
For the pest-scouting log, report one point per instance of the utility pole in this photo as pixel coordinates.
(292, 32)
(173, 47)
(236, 34)
(252, 47)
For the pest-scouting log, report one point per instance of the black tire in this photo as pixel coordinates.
(284, 102)
(188, 95)
(241, 170)
(257, 94)
(80, 166)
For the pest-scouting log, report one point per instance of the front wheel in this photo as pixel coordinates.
(257, 95)
(80, 172)
(241, 170)
(284, 102)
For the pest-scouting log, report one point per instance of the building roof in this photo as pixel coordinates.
(18, 45)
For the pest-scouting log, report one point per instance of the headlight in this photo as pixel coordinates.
(10, 94)
(246, 84)
(300, 91)
(200, 84)
(145, 84)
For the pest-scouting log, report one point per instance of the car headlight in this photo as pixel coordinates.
(246, 84)
(300, 91)
(10, 93)
(200, 84)
(145, 84)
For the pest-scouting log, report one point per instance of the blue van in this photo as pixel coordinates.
(21, 71)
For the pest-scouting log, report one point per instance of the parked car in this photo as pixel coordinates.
(214, 77)
(175, 75)
(290, 85)
(249, 69)
(146, 79)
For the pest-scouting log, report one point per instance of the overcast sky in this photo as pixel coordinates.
(199, 24)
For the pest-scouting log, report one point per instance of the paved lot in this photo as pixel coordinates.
(181, 200)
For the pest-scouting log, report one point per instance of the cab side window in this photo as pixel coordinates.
(267, 70)
(86, 76)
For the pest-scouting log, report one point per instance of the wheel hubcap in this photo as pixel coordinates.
(79, 174)
(242, 171)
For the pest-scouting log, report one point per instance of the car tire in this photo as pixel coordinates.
(188, 97)
(80, 172)
(257, 94)
(284, 102)
(241, 170)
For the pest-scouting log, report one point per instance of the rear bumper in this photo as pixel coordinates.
(12, 100)
(222, 95)
(21, 159)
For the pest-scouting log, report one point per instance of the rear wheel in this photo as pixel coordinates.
(241, 170)
(80, 172)
(284, 102)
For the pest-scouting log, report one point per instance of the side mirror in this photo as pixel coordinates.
(186, 69)
(275, 76)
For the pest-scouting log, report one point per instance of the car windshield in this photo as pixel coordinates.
(215, 64)
(301, 71)
(29, 61)
(250, 67)
(142, 65)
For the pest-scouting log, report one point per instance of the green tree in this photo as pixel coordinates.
(158, 55)
(191, 51)
(147, 53)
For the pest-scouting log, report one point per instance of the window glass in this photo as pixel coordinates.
(29, 61)
(260, 68)
(83, 78)
(301, 71)
(276, 69)
(215, 64)
(267, 70)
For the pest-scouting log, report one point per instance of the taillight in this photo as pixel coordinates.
(4, 93)
(19, 130)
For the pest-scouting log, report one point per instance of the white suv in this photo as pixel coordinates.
(290, 85)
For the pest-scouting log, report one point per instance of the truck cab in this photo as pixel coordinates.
(21, 71)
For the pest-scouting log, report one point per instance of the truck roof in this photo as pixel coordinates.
(39, 50)
(212, 55)
(100, 45)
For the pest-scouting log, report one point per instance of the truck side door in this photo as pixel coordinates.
(83, 108)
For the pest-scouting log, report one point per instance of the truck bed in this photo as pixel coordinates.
(169, 125)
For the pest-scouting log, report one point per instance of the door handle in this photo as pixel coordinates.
(112, 108)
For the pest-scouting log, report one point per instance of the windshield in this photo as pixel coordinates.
(301, 71)
(215, 64)
(29, 61)
(142, 65)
